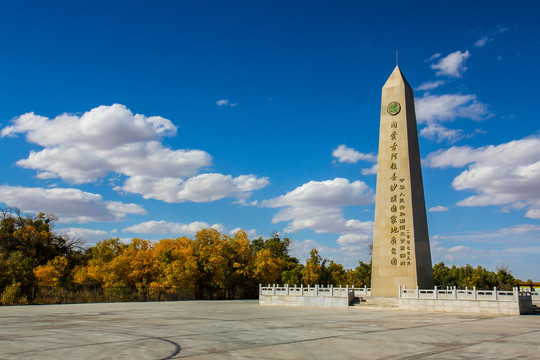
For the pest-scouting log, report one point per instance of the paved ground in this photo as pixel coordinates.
(245, 330)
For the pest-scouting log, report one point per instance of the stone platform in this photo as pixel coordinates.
(245, 330)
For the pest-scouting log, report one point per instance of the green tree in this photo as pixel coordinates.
(359, 276)
(505, 280)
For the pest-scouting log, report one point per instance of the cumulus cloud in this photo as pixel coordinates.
(89, 236)
(70, 205)
(452, 65)
(317, 205)
(506, 174)
(329, 193)
(106, 139)
(301, 249)
(200, 188)
(112, 140)
(170, 228)
(371, 171)
(433, 110)
(430, 108)
(438, 208)
(345, 154)
(251, 233)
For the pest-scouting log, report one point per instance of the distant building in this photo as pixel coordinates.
(529, 286)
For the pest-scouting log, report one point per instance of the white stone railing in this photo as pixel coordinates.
(317, 290)
(365, 291)
(458, 294)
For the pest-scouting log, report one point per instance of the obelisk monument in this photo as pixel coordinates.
(401, 253)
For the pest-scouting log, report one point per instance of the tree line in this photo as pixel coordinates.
(32, 254)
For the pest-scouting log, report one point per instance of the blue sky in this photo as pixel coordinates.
(153, 119)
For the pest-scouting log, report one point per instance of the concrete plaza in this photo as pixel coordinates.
(245, 330)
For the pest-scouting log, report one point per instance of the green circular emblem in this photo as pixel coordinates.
(393, 108)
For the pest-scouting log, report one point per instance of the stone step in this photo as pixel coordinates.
(377, 303)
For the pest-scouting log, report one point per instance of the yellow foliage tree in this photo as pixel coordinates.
(312, 271)
(267, 267)
(53, 273)
(177, 263)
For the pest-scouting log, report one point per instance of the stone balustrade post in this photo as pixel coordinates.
(287, 288)
(417, 292)
(260, 289)
(475, 293)
(332, 290)
(399, 294)
(455, 292)
(273, 289)
(495, 294)
(347, 291)
(316, 290)
(435, 293)
(301, 289)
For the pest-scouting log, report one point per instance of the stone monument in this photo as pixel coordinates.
(401, 253)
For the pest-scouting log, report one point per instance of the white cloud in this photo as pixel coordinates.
(485, 39)
(506, 174)
(170, 228)
(89, 236)
(433, 57)
(70, 205)
(329, 193)
(301, 249)
(251, 233)
(448, 107)
(344, 154)
(516, 246)
(370, 171)
(452, 65)
(200, 188)
(317, 205)
(433, 110)
(109, 139)
(104, 127)
(225, 102)
(438, 208)
(430, 85)
(440, 133)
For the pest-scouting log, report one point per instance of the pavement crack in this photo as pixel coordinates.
(463, 346)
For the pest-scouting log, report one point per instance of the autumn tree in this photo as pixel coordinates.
(33, 236)
(177, 262)
(314, 266)
(54, 273)
(100, 270)
(276, 252)
(267, 268)
(224, 262)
